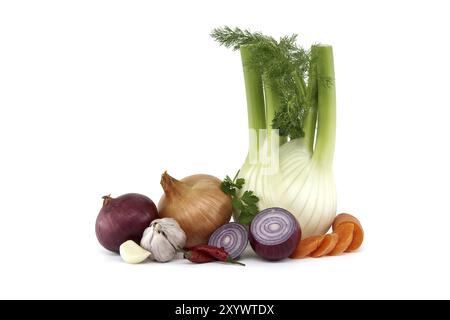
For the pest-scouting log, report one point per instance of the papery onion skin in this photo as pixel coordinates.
(197, 203)
(124, 218)
(233, 237)
(274, 234)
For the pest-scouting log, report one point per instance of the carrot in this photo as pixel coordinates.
(307, 246)
(327, 245)
(345, 234)
(358, 232)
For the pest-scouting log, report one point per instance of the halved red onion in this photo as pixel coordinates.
(233, 237)
(274, 234)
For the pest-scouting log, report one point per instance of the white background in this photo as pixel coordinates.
(101, 97)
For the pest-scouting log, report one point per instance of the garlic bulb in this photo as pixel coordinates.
(163, 239)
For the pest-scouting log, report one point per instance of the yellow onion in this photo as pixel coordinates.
(197, 203)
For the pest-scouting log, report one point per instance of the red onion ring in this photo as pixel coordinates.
(233, 237)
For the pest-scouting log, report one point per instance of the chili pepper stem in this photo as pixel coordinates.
(230, 260)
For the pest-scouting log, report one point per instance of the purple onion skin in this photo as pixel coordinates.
(124, 218)
(279, 251)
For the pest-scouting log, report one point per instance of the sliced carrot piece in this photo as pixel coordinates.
(345, 234)
(307, 246)
(358, 232)
(344, 218)
(327, 245)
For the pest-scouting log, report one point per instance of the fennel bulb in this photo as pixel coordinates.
(301, 185)
(292, 120)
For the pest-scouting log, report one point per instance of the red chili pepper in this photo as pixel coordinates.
(215, 253)
(197, 257)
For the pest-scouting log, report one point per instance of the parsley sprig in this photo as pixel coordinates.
(246, 203)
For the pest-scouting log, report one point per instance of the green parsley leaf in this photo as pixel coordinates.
(246, 204)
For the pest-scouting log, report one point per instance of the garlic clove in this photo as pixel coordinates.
(161, 248)
(131, 252)
(147, 238)
(173, 232)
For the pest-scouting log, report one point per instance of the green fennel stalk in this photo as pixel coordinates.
(254, 92)
(326, 106)
(287, 88)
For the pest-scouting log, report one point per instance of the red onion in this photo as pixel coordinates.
(233, 237)
(274, 234)
(124, 218)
